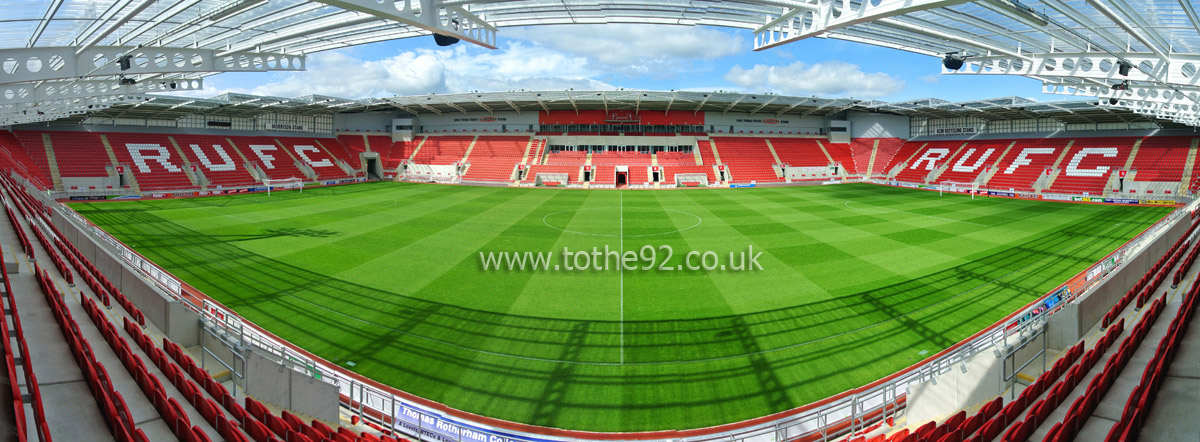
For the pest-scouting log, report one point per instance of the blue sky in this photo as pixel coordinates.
(627, 56)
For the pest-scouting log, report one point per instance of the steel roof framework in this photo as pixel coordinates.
(1049, 40)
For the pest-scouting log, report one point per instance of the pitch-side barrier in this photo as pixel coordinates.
(824, 420)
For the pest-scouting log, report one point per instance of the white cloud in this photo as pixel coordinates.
(641, 49)
(461, 68)
(824, 78)
(931, 79)
(338, 74)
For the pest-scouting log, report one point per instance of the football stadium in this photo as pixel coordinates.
(601, 263)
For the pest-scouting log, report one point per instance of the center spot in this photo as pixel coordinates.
(607, 221)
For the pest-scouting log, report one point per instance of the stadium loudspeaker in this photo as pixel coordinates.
(125, 62)
(1113, 101)
(444, 40)
(952, 62)
(1123, 68)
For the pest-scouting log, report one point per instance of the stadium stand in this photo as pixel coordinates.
(888, 147)
(313, 153)
(171, 398)
(841, 155)
(78, 154)
(494, 158)
(265, 153)
(932, 156)
(219, 160)
(351, 154)
(748, 159)
(566, 158)
(1161, 158)
(442, 150)
(1089, 163)
(906, 150)
(621, 158)
(18, 154)
(153, 160)
(977, 158)
(676, 158)
(799, 152)
(1025, 163)
(1040, 411)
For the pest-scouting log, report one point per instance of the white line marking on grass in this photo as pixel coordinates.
(621, 270)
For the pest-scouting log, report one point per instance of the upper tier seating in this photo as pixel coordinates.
(152, 159)
(495, 157)
(748, 159)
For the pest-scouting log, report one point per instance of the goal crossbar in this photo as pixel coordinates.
(283, 184)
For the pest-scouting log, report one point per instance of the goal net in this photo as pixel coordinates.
(284, 184)
(958, 187)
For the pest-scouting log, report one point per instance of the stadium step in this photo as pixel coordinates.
(774, 155)
(418, 149)
(987, 177)
(528, 149)
(874, 152)
(1132, 154)
(823, 150)
(470, 148)
(1048, 182)
(696, 152)
(112, 157)
(1189, 168)
(194, 175)
(55, 177)
(251, 168)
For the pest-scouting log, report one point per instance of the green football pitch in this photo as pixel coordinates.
(857, 281)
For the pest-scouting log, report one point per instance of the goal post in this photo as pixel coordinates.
(284, 184)
(958, 187)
